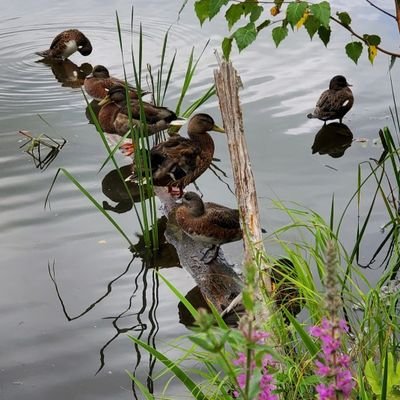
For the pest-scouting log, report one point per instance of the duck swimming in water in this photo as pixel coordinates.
(335, 102)
(67, 43)
(179, 161)
(99, 82)
(113, 115)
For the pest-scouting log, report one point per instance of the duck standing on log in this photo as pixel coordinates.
(99, 82)
(335, 102)
(179, 161)
(209, 223)
(67, 43)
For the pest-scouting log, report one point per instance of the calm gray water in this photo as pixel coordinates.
(104, 291)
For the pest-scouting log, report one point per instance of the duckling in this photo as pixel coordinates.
(99, 82)
(67, 43)
(179, 161)
(113, 115)
(209, 223)
(335, 102)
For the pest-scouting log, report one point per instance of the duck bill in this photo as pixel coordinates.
(105, 101)
(216, 128)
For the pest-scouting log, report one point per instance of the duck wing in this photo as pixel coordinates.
(332, 102)
(174, 159)
(224, 217)
(153, 113)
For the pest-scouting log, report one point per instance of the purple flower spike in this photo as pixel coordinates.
(333, 365)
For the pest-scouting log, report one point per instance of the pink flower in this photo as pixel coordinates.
(333, 365)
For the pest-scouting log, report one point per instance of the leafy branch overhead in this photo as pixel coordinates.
(252, 17)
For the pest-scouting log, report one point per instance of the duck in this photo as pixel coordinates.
(179, 161)
(285, 292)
(99, 82)
(335, 102)
(113, 115)
(210, 223)
(67, 43)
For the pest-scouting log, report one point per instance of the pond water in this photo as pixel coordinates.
(68, 341)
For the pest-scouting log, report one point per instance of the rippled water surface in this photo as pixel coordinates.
(70, 289)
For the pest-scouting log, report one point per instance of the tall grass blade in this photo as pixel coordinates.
(143, 389)
(92, 200)
(177, 371)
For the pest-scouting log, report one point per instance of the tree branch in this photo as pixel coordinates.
(380, 9)
(390, 53)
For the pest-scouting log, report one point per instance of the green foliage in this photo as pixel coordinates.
(354, 50)
(226, 47)
(322, 11)
(278, 34)
(324, 34)
(375, 377)
(312, 24)
(295, 12)
(344, 18)
(316, 17)
(245, 35)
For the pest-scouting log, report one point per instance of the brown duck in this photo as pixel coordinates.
(67, 43)
(99, 82)
(209, 223)
(113, 116)
(179, 161)
(335, 102)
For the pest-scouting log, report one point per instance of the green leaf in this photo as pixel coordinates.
(233, 14)
(202, 10)
(372, 376)
(147, 395)
(278, 34)
(312, 24)
(255, 13)
(373, 40)
(203, 343)
(245, 35)
(345, 18)
(215, 6)
(391, 372)
(322, 11)
(295, 12)
(324, 34)
(306, 338)
(354, 50)
(226, 47)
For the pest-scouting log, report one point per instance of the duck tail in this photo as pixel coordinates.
(311, 115)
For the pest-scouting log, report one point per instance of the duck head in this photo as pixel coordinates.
(193, 203)
(85, 48)
(116, 95)
(201, 123)
(338, 82)
(100, 71)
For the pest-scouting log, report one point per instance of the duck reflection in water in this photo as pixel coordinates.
(68, 73)
(332, 139)
(115, 189)
(164, 257)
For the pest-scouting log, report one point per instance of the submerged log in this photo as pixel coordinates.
(217, 280)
